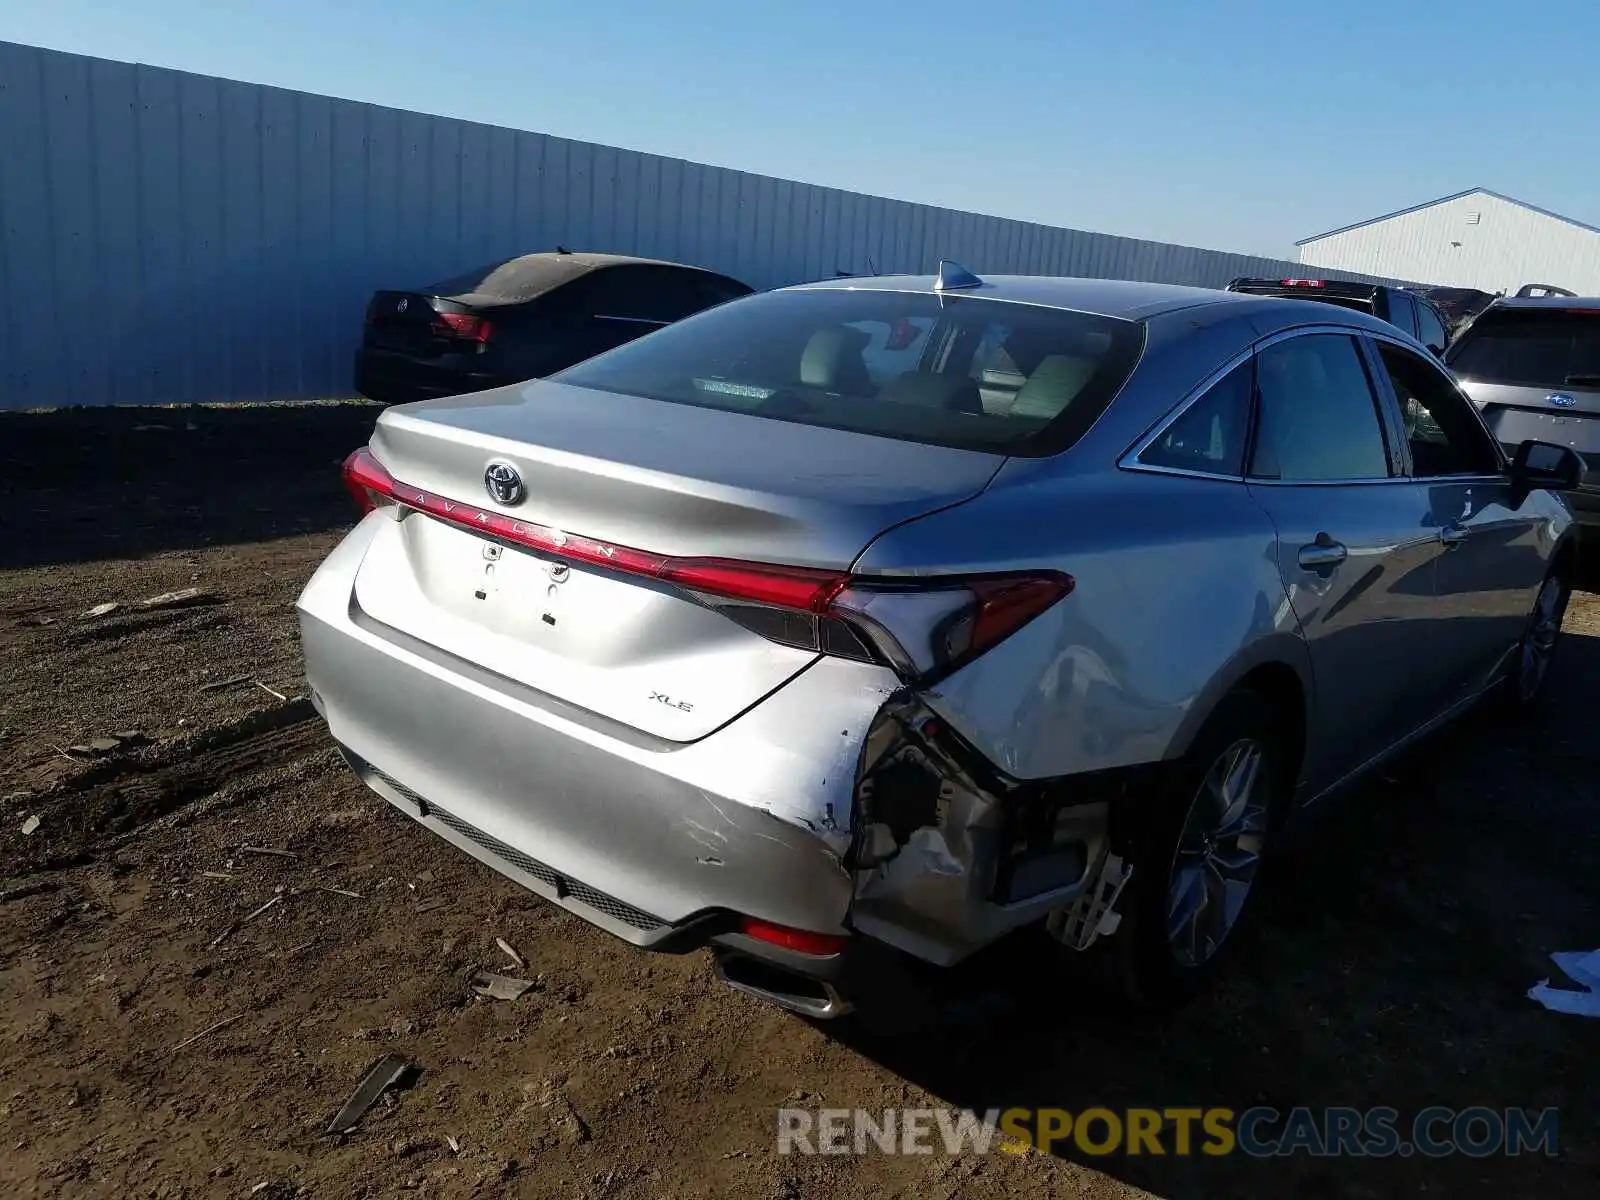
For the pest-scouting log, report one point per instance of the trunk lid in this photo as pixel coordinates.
(408, 323)
(648, 475)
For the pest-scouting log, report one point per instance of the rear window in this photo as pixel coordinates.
(960, 371)
(1540, 347)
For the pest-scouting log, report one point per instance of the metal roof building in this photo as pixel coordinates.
(1476, 239)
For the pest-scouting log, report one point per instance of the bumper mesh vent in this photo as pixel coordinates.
(563, 887)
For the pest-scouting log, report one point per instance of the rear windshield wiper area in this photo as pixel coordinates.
(1584, 380)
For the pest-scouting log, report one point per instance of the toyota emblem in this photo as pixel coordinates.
(1561, 399)
(403, 305)
(503, 483)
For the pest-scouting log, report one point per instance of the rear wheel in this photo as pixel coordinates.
(1197, 849)
(1531, 665)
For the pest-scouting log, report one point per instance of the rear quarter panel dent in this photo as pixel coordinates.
(1177, 596)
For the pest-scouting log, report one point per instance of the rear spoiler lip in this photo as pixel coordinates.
(435, 302)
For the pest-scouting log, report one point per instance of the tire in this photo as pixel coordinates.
(1157, 960)
(1530, 666)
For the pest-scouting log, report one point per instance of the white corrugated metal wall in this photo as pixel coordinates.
(1478, 241)
(168, 237)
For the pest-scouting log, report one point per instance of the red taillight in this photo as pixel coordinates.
(792, 939)
(920, 626)
(1005, 604)
(463, 327)
(366, 479)
(1305, 283)
(804, 588)
(932, 626)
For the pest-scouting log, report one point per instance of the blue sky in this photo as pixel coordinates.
(1233, 124)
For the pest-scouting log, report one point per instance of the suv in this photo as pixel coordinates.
(1532, 366)
(1412, 313)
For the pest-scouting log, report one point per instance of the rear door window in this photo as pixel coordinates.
(1318, 418)
(962, 371)
(1444, 433)
(1534, 347)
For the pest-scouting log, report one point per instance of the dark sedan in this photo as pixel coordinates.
(521, 319)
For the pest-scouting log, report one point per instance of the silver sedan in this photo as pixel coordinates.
(851, 627)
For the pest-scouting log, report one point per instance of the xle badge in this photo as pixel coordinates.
(663, 698)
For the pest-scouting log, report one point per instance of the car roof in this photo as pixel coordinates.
(1121, 298)
(1106, 297)
(520, 279)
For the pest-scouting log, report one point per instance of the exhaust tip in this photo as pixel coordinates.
(778, 985)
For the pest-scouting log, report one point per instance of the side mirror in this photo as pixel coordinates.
(1545, 465)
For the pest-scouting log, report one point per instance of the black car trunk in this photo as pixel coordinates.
(423, 325)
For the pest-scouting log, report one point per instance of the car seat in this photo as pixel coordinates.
(1052, 386)
(832, 360)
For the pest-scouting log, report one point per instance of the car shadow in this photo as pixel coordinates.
(1395, 943)
(88, 484)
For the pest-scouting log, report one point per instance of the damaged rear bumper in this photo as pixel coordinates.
(840, 806)
(950, 855)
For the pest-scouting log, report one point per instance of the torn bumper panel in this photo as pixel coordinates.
(951, 855)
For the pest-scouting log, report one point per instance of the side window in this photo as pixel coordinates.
(1444, 433)
(1318, 415)
(715, 289)
(643, 294)
(1402, 312)
(1430, 329)
(1210, 435)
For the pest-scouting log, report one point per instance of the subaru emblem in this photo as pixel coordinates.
(1561, 399)
(503, 483)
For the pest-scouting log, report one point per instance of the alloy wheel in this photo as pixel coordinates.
(1539, 643)
(1218, 853)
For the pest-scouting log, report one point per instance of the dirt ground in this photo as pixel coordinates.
(146, 1050)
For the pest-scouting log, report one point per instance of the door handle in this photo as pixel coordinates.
(1453, 535)
(1322, 554)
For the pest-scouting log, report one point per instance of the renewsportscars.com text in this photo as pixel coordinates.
(1258, 1132)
